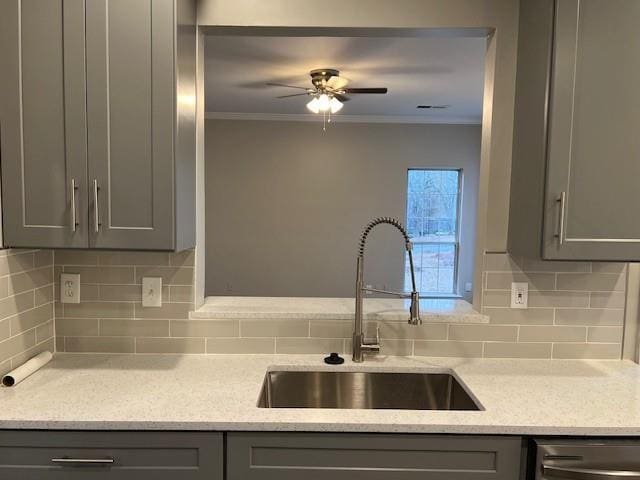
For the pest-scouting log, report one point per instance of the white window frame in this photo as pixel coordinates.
(455, 243)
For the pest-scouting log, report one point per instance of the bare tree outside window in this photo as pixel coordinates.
(433, 204)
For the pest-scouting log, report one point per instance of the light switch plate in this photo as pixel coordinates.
(70, 288)
(151, 291)
(519, 295)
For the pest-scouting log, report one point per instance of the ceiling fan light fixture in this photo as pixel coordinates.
(313, 105)
(324, 103)
(335, 105)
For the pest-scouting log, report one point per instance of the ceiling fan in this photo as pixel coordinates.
(329, 90)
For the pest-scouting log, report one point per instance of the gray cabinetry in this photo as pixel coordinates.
(576, 147)
(43, 123)
(318, 456)
(34, 455)
(100, 95)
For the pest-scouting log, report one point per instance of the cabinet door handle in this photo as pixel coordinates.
(562, 200)
(587, 473)
(74, 217)
(96, 211)
(83, 461)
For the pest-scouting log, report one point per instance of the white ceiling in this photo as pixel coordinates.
(436, 71)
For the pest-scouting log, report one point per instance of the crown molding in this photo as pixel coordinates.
(340, 118)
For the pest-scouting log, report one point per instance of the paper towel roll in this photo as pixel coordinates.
(32, 365)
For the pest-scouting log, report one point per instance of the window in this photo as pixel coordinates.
(433, 204)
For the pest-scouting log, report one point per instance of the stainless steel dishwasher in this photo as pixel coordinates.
(589, 459)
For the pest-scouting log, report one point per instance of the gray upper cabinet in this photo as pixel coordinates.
(576, 147)
(43, 123)
(114, 115)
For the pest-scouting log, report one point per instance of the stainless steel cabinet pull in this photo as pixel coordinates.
(587, 473)
(74, 218)
(83, 461)
(562, 203)
(96, 212)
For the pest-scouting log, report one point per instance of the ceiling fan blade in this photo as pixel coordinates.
(293, 95)
(341, 97)
(365, 90)
(271, 84)
(337, 83)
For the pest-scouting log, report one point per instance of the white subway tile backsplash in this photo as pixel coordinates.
(604, 335)
(552, 334)
(26, 305)
(511, 316)
(607, 300)
(170, 345)
(603, 351)
(222, 345)
(575, 310)
(116, 327)
(99, 344)
(274, 328)
(483, 333)
(205, 328)
(517, 350)
(537, 281)
(589, 316)
(607, 282)
(309, 345)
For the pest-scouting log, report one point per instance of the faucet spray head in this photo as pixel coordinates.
(414, 309)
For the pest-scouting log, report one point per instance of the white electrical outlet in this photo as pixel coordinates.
(519, 295)
(468, 287)
(70, 288)
(151, 292)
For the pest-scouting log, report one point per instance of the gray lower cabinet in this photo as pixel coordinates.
(97, 123)
(35, 455)
(319, 456)
(576, 145)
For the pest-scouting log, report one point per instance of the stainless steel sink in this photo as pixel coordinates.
(365, 390)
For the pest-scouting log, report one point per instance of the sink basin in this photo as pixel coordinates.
(364, 390)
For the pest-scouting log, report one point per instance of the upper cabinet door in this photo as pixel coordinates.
(42, 123)
(593, 168)
(130, 117)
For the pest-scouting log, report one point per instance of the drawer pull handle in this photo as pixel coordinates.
(587, 473)
(83, 461)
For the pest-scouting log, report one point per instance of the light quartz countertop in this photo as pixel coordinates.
(219, 392)
(392, 309)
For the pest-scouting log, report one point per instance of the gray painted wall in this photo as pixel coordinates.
(285, 202)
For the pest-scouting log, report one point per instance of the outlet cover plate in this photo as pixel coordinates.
(152, 291)
(70, 288)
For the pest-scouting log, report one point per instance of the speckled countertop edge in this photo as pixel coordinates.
(219, 392)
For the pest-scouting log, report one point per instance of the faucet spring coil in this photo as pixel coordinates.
(377, 221)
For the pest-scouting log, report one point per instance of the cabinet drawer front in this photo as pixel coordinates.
(362, 456)
(110, 455)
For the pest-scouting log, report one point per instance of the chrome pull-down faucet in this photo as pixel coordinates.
(360, 345)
